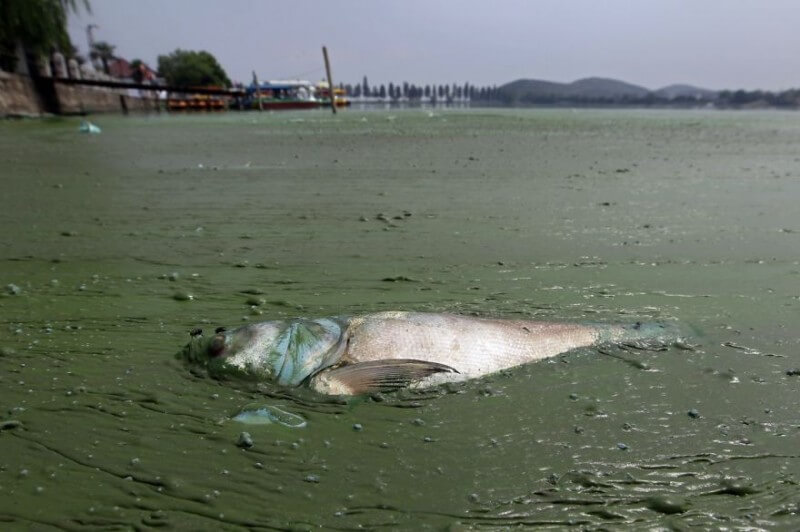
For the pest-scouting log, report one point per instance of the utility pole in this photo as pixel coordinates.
(330, 79)
(258, 91)
(90, 35)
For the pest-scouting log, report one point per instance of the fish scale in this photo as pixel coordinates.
(472, 346)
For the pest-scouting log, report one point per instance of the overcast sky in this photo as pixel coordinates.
(715, 44)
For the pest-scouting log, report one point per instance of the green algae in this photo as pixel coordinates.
(515, 213)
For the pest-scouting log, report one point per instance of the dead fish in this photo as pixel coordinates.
(386, 351)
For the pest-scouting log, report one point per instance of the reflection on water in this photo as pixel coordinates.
(586, 216)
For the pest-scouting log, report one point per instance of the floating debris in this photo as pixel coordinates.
(261, 414)
(88, 127)
(399, 279)
(253, 291)
(245, 441)
(733, 487)
(182, 296)
(11, 424)
(666, 505)
(13, 289)
(744, 349)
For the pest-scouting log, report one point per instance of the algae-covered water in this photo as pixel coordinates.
(114, 246)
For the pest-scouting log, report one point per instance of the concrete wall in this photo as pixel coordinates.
(74, 99)
(19, 97)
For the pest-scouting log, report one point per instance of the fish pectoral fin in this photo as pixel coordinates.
(376, 376)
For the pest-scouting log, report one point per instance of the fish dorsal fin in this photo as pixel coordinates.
(375, 376)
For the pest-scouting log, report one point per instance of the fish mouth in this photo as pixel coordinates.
(203, 350)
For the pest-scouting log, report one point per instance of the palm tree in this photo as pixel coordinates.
(104, 52)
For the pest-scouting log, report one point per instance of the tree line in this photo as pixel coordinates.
(497, 96)
(411, 91)
(742, 98)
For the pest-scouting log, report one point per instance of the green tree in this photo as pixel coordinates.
(39, 26)
(136, 67)
(192, 69)
(104, 52)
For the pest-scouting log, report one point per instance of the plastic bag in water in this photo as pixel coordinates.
(261, 414)
(88, 127)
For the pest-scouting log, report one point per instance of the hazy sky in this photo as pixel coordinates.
(711, 43)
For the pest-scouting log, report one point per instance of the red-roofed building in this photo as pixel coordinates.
(121, 68)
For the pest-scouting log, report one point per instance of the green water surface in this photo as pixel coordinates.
(116, 245)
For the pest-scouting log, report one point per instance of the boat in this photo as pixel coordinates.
(196, 102)
(323, 95)
(276, 95)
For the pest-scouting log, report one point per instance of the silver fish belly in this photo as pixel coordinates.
(471, 346)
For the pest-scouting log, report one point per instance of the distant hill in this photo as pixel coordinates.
(605, 88)
(672, 92)
(532, 86)
(532, 90)
(594, 90)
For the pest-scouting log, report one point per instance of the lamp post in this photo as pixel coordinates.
(90, 38)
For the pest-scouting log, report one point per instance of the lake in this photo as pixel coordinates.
(114, 246)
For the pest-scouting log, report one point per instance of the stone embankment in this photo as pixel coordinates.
(18, 96)
(22, 95)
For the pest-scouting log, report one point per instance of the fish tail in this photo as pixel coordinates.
(647, 332)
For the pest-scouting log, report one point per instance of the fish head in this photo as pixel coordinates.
(284, 351)
(246, 351)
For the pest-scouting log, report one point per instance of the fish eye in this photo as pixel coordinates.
(217, 346)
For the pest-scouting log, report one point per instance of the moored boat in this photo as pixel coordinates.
(277, 95)
(324, 96)
(196, 102)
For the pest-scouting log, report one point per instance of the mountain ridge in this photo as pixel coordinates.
(595, 88)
